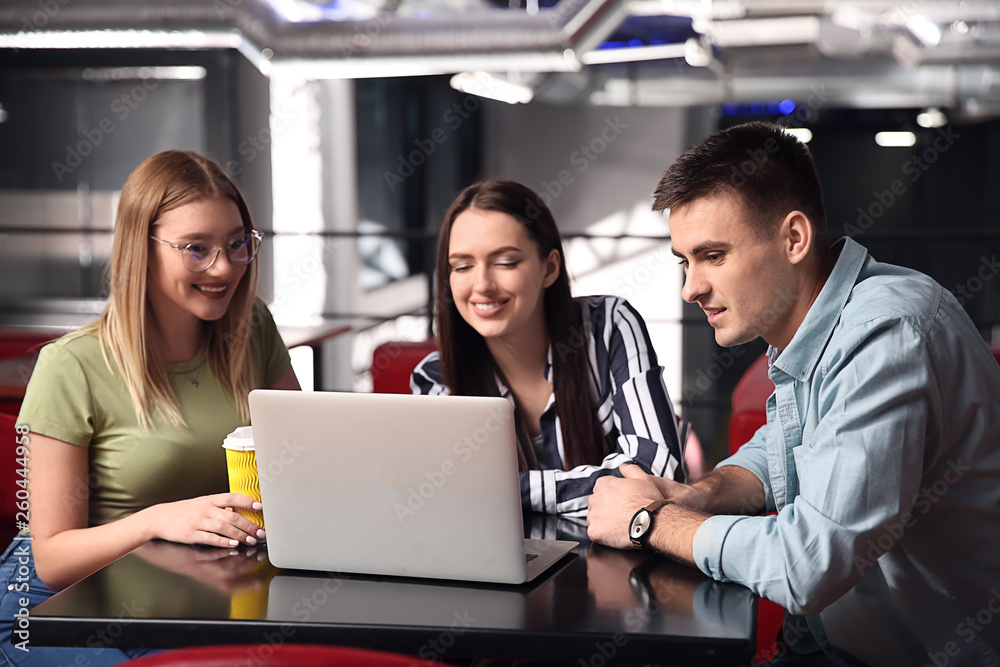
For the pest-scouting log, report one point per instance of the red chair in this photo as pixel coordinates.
(393, 363)
(749, 400)
(995, 349)
(16, 342)
(749, 414)
(280, 655)
(18, 351)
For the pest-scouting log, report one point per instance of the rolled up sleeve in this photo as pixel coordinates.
(852, 478)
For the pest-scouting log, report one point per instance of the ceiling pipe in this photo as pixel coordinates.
(508, 39)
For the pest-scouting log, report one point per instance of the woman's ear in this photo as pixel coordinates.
(553, 265)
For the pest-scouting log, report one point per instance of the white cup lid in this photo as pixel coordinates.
(240, 440)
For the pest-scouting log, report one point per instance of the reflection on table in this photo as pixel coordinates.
(594, 605)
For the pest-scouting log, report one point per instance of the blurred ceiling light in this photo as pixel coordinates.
(659, 52)
(122, 39)
(300, 11)
(803, 134)
(895, 139)
(932, 117)
(175, 73)
(960, 27)
(700, 10)
(851, 17)
(924, 29)
(696, 54)
(486, 85)
(3, 114)
(764, 32)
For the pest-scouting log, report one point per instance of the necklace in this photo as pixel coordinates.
(193, 379)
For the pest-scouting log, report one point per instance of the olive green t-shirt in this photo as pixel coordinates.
(73, 396)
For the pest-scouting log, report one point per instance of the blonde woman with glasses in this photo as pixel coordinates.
(126, 416)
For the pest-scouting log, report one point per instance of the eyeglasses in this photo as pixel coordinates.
(199, 256)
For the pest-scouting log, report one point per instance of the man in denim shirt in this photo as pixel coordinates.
(880, 460)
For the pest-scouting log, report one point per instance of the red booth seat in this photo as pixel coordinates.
(393, 363)
(749, 399)
(279, 655)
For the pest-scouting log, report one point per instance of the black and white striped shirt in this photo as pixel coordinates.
(632, 405)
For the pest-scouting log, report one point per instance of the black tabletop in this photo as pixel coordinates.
(597, 606)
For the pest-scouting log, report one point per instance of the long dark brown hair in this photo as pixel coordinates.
(468, 366)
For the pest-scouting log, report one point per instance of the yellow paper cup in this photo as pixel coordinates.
(242, 462)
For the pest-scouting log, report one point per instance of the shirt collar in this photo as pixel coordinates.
(799, 359)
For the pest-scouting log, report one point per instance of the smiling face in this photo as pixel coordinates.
(174, 291)
(747, 287)
(496, 276)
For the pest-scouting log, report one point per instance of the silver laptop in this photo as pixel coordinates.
(391, 484)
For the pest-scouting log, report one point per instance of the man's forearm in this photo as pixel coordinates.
(731, 490)
(673, 532)
(727, 490)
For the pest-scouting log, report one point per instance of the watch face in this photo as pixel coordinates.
(640, 524)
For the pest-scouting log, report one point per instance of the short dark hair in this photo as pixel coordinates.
(768, 171)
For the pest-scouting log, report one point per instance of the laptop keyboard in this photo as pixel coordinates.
(530, 557)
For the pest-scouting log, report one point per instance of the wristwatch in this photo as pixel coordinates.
(642, 522)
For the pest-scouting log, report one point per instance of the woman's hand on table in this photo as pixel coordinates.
(208, 520)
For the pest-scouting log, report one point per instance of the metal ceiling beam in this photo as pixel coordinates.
(447, 42)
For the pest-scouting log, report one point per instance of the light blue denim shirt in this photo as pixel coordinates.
(881, 457)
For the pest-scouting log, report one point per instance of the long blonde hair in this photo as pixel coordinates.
(163, 182)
